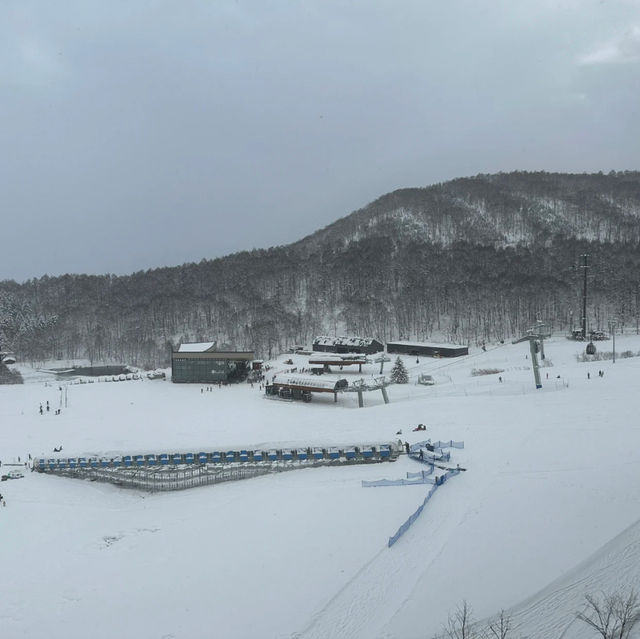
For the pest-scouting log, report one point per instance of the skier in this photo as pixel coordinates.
(41, 411)
(48, 407)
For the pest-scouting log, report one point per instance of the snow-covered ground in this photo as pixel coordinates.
(547, 510)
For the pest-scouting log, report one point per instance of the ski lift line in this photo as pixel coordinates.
(222, 457)
(134, 474)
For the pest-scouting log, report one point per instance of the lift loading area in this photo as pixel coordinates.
(292, 386)
(176, 471)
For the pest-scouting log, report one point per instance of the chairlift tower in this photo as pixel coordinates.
(585, 268)
(612, 328)
(535, 336)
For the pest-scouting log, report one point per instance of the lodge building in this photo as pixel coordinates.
(344, 344)
(427, 349)
(202, 363)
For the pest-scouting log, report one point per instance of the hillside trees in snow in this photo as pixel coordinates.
(23, 329)
(473, 260)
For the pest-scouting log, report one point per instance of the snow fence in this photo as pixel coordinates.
(407, 524)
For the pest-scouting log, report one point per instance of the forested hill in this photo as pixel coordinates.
(469, 260)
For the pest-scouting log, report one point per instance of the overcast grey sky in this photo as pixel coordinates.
(138, 134)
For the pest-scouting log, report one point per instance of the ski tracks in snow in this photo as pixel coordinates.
(551, 612)
(379, 589)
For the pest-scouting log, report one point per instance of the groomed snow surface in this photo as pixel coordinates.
(547, 511)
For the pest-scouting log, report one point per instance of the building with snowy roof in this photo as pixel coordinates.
(202, 363)
(428, 349)
(345, 344)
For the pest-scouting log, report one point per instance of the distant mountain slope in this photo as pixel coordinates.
(504, 209)
(469, 260)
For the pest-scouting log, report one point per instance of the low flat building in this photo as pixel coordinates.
(346, 344)
(202, 363)
(426, 348)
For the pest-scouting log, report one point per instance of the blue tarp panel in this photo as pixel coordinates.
(73, 462)
(334, 454)
(384, 452)
(41, 462)
(164, 458)
(317, 453)
(258, 455)
(93, 462)
(82, 462)
(188, 458)
(52, 463)
(151, 460)
(367, 453)
(273, 455)
(116, 462)
(62, 463)
(177, 458)
(104, 463)
(126, 460)
(203, 458)
(216, 457)
(230, 456)
(350, 454)
(302, 454)
(244, 455)
(287, 455)
(139, 460)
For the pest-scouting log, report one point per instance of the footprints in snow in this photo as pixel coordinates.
(109, 540)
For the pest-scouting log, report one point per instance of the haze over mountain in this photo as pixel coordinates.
(468, 260)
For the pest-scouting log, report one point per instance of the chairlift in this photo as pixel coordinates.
(591, 348)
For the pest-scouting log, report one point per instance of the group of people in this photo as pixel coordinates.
(48, 409)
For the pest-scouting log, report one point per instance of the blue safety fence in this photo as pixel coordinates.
(407, 524)
(413, 479)
(427, 457)
(421, 473)
(449, 444)
(394, 482)
(437, 446)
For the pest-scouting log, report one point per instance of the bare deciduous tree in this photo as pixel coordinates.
(460, 623)
(612, 616)
(498, 628)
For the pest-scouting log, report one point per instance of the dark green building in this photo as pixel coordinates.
(201, 363)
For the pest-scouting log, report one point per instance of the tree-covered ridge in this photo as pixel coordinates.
(470, 260)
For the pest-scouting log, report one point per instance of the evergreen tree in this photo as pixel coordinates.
(399, 373)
